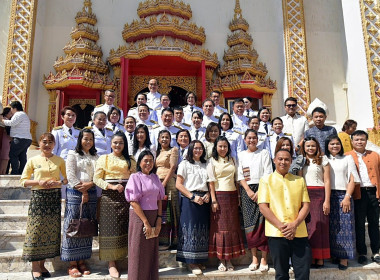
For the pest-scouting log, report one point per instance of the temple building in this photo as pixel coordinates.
(57, 53)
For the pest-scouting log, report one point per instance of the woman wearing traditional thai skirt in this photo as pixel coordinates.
(226, 241)
(112, 173)
(145, 192)
(166, 163)
(343, 176)
(316, 172)
(253, 164)
(194, 222)
(81, 189)
(43, 230)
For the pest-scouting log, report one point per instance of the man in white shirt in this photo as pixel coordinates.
(208, 107)
(215, 96)
(109, 98)
(294, 123)
(130, 125)
(240, 121)
(144, 117)
(140, 99)
(178, 118)
(191, 99)
(167, 118)
(157, 112)
(153, 96)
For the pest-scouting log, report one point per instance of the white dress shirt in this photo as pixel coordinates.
(363, 171)
(64, 141)
(20, 125)
(105, 108)
(341, 169)
(271, 142)
(153, 100)
(250, 113)
(240, 122)
(219, 110)
(201, 133)
(129, 136)
(187, 112)
(296, 126)
(102, 143)
(254, 165)
(236, 141)
(207, 120)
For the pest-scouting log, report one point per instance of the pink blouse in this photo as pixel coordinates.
(144, 189)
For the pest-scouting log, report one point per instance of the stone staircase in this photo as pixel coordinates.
(14, 203)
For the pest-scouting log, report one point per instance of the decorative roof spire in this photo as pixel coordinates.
(87, 4)
(237, 10)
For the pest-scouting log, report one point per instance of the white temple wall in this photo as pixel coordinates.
(327, 56)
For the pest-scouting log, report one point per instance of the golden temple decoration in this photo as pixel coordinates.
(370, 12)
(33, 132)
(53, 109)
(240, 69)
(20, 51)
(83, 64)
(296, 56)
(152, 7)
(138, 83)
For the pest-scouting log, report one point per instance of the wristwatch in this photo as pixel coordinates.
(192, 197)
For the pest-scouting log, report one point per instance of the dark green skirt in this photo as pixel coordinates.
(43, 230)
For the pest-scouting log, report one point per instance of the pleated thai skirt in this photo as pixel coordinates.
(253, 221)
(342, 228)
(142, 253)
(318, 224)
(76, 249)
(193, 233)
(113, 225)
(43, 230)
(226, 240)
(169, 230)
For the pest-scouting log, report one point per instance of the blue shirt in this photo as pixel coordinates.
(321, 134)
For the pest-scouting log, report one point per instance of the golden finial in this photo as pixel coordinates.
(237, 9)
(87, 4)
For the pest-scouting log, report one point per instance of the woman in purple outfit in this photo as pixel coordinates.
(144, 191)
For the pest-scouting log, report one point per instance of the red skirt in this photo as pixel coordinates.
(226, 239)
(318, 224)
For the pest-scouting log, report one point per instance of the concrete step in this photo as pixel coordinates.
(14, 240)
(354, 272)
(19, 206)
(13, 221)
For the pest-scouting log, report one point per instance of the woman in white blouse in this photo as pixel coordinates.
(141, 141)
(193, 232)
(343, 176)
(253, 164)
(80, 170)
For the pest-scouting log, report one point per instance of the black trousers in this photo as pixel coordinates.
(297, 249)
(367, 207)
(17, 154)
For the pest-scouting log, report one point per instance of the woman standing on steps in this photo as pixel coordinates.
(81, 190)
(112, 174)
(43, 230)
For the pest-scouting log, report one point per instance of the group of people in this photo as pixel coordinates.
(175, 178)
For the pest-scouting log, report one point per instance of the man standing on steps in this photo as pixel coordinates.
(109, 98)
(215, 96)
(284, 201)
(366, 197)
(153, 96)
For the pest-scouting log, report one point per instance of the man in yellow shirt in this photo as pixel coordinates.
(284, 202)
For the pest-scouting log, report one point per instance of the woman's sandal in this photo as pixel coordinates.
(264, 267)
(222, 267)
(74, 272)
(83, 269)
(118, 273)
(253, 266)
(230, 267)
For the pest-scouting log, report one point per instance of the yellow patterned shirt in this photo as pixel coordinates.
(285, 196)
(346, 141)
(111, 167)
(43, 168)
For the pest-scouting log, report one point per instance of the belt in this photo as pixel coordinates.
(371, 188)
(116, 181)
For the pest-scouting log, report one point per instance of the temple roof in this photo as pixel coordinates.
(83, 64)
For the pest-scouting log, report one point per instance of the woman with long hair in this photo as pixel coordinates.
(316, 172)
(111, 174)
(81, 190)
(226, 241)
(145, 192)
(194, 222)
(141, 141)
(212, 132)
(343, 176)
(166, 164)
(253, 164)
(43, 230)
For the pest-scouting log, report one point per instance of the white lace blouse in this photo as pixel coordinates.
(79, 168)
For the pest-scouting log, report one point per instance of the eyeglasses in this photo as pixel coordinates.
(291, 105)
(110, 96)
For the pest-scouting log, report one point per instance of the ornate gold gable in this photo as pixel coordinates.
(240, 70)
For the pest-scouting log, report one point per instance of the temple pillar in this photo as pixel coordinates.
(18, 66)
(53, 109)
(296, 55)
